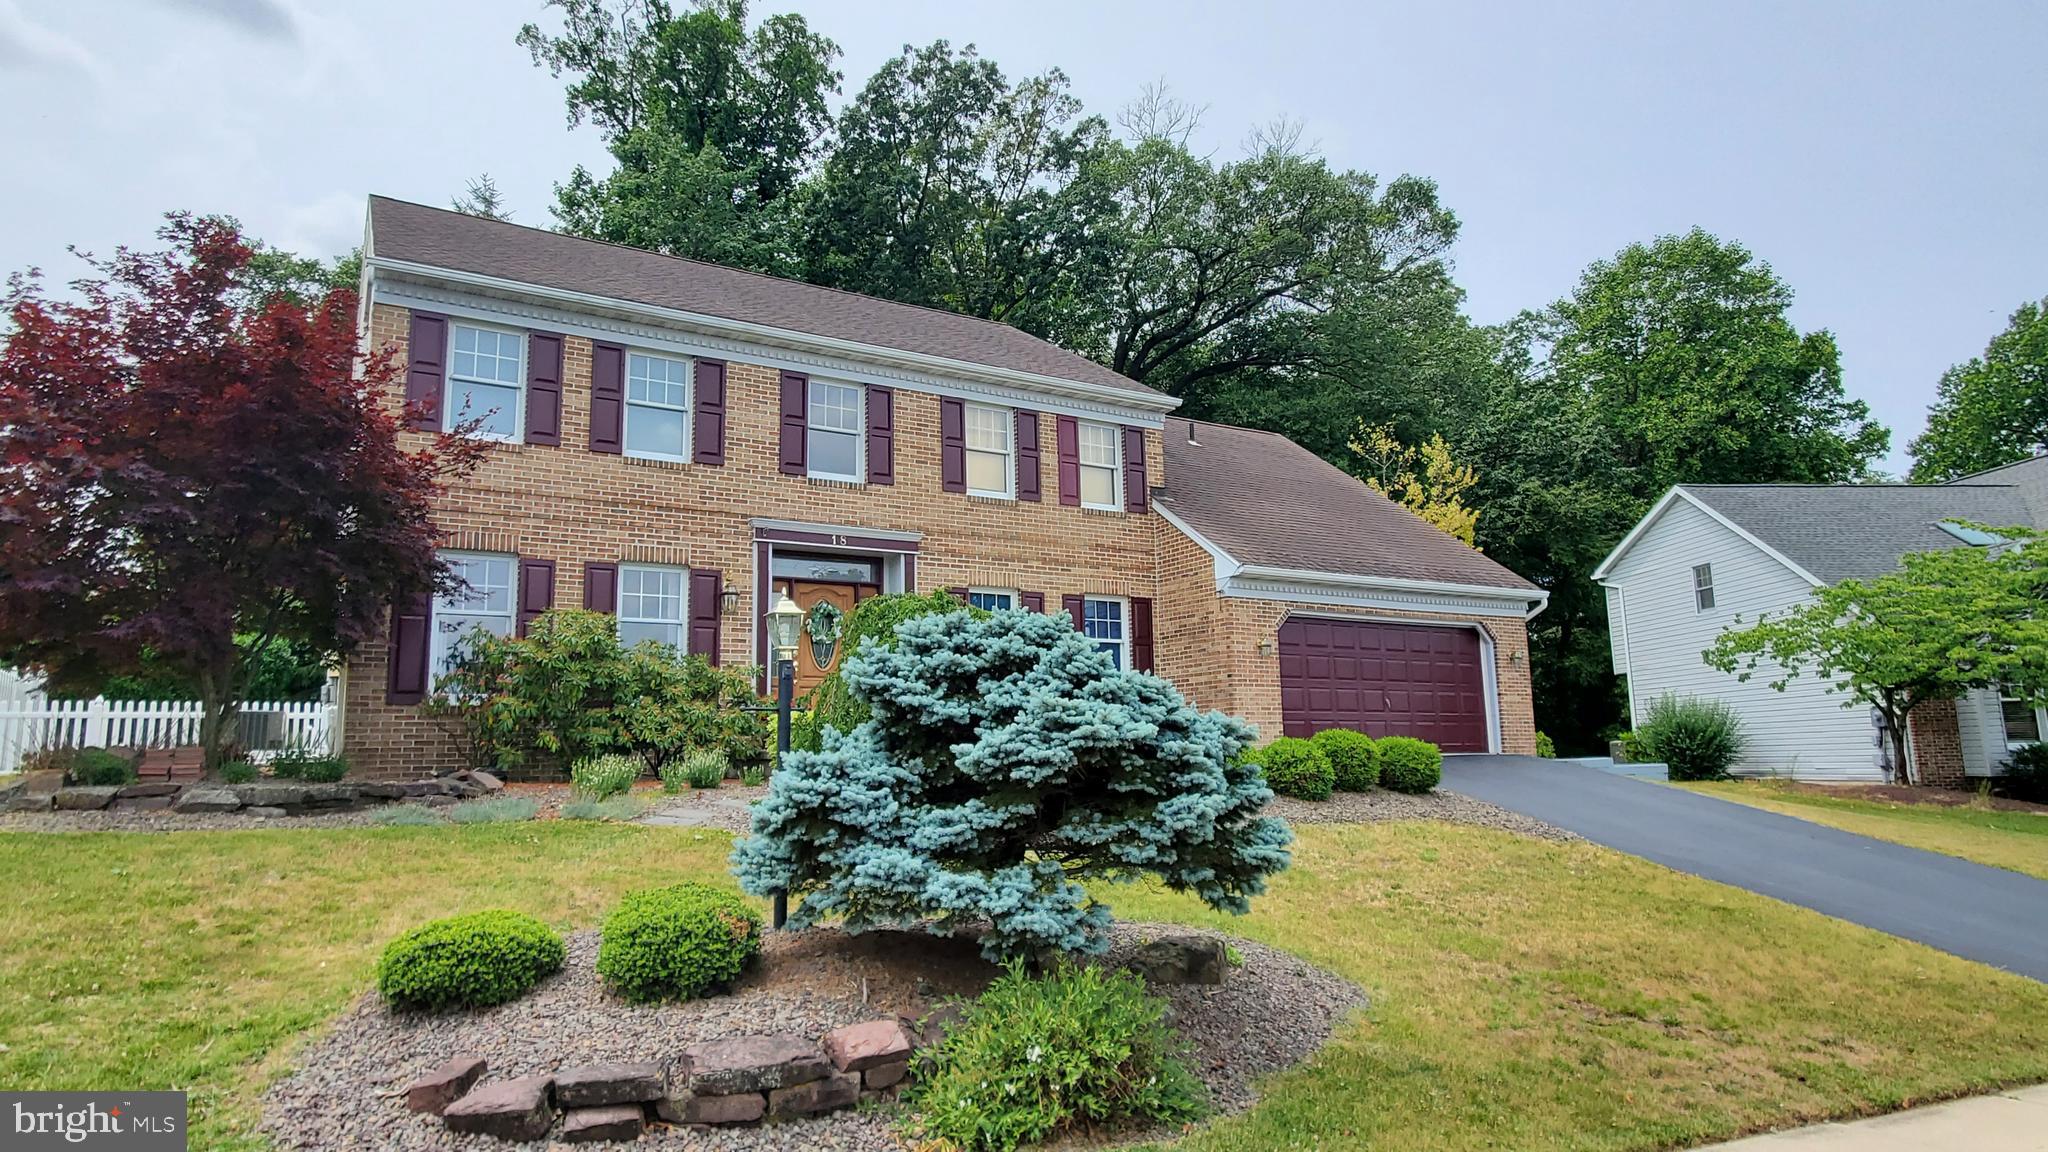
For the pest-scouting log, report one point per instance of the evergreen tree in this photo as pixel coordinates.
(1005, 761)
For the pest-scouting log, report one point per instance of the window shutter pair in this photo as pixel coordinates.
(412, 630)
(608, 405)
(426, 375)
(700, 626)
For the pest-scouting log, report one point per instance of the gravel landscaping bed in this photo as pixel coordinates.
(722, 807)
(1273, 1011)
(1380, 804)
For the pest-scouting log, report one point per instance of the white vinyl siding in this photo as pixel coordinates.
(486, 381)
(1986, 736)
(1804, 730)
(1101, 466)
(989, 432)
(657, 407)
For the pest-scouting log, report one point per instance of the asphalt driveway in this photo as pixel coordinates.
(1980, 913)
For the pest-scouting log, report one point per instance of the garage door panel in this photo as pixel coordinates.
(1384, 679)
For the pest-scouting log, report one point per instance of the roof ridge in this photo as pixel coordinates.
(739, 271)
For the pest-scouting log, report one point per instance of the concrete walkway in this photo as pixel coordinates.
(1979, 913)
(2015, 1121)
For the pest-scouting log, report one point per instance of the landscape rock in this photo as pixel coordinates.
(147, 791)
(489, 782)
(691, 1108)
(609, 1122)
(206, 800)
(443, 1086)
(85, 797)
(517, 1110)
(931, 1027)
(140, 804)
(1181, 959)
(425, 788)
(437, 801)
(380, 790)
(834, 1091)
(885, 1075)
(271, 793)
(265, 813)
(597, 1085)
(858, 1047)
(42, 782)
(751, 1064)
(24, 800)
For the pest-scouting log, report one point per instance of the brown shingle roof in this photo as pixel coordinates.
(1266, 500)
(444, 239)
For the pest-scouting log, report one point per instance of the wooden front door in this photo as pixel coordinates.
(810, 668)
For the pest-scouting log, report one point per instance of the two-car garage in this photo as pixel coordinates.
(1385, 679)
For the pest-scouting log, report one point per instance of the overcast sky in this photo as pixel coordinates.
(1888, 160)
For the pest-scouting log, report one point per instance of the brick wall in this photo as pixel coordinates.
(1937, 744)
(573, 506)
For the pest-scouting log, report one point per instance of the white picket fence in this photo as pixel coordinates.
(266, 725)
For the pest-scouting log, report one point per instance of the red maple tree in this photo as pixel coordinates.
(181, 461)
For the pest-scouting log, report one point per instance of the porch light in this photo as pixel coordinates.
(783, 621)
(729, 599)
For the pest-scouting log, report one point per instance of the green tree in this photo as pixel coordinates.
(1942, 624)
(1992, 409)
(481, 198)
(1697, 373)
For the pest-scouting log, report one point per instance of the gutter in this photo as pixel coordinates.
(780, 337)
(1537, 598)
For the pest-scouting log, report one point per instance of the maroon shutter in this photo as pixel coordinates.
(536, 590)
(1141, 633)
(795, 396)
(881, 436)
(1069, 437)
(705, 587)
(707, 431)
(607, 398)
(1027, 456)
(601, 587)
(543, 388)
(425, 350)
(959, 594)
(1033, 601)
(952, 445)
(1072, 606)
(409, 643)
(1136, 494)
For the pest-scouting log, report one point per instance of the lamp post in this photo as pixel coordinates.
(783, 621)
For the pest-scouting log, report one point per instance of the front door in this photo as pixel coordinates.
(817, 650)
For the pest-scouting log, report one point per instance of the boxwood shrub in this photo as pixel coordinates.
(469, 961)
(1078, 1049)
(677, 943)
(99, 766)
(1354, 758)
(1410, 765)
(1298, 768)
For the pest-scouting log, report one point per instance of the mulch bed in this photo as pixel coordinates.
(1912, 795)
(1381, 805)
(1272, 1012)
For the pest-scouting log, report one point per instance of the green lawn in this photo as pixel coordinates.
(1526, 995)
(2013, 840)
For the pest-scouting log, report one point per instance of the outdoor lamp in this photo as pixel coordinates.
(783, 621)
(729, 599)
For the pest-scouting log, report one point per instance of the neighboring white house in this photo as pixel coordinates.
(1709, 554)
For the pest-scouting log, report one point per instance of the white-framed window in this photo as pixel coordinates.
(657, 407)
(990, 436)
(1102, 620)
(1703, 587)
(651, 604)
(484, 601)
(1101, 466)
(486, 381)
(2022, 720)
(832, 446)
(992, 599)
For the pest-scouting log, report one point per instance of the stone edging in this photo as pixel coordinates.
(46, 792)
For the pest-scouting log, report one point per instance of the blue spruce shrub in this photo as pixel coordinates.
(1005, 760)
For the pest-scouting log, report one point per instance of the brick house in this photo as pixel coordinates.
(681, 442)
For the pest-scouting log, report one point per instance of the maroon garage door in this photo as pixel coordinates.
(1383, 680)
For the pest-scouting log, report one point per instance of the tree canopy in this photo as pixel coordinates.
(1942, 624)
(1991, 409)
(187, 457)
